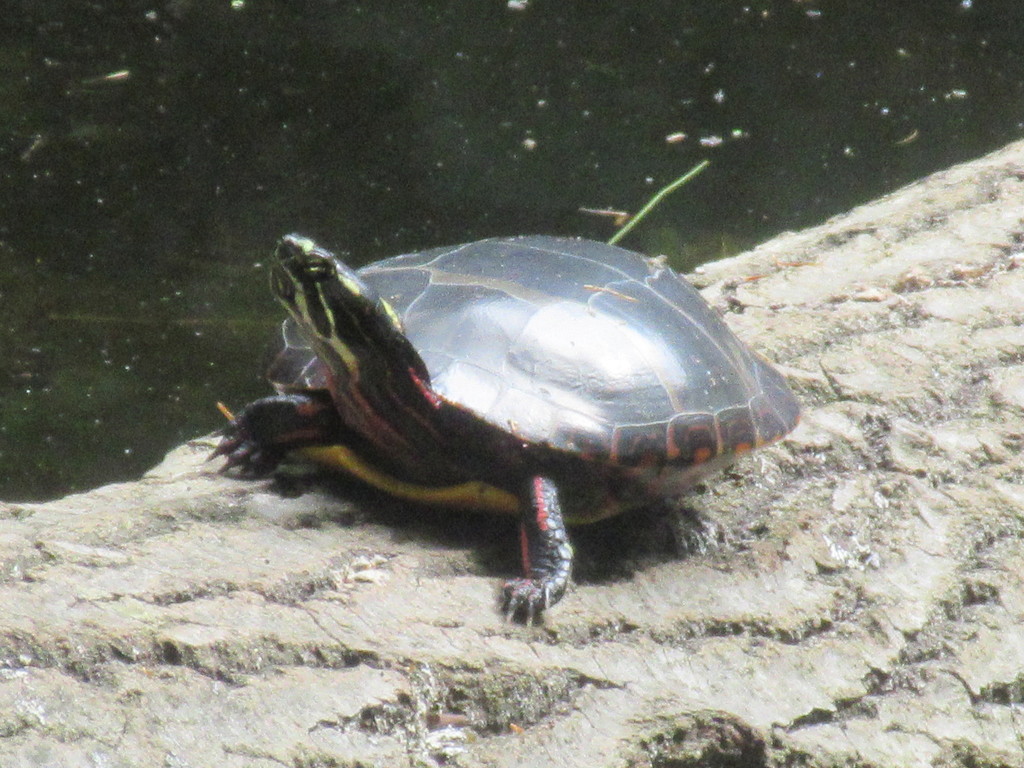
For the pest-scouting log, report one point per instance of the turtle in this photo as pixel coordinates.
(557, 379)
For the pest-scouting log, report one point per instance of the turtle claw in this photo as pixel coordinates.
(245, 455)
(258, 437)
(525, 598)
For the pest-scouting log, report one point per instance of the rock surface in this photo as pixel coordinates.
(864, 605)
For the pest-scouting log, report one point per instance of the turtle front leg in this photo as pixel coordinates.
(260, 435)
(546, 551)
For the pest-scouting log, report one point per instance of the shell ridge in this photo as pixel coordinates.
(569, 254)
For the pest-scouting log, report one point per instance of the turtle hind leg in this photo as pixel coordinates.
(546, 553)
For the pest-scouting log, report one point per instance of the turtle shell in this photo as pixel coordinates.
(578, 346)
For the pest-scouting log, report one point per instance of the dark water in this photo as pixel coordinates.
(152, 154)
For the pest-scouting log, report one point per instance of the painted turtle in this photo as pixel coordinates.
(551, 378)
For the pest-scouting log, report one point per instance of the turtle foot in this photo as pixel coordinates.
(260, 435)
(246, 457)
(525, 599)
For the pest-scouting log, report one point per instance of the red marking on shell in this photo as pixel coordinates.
(702, 454)
(639, 445)
(695, 438)
(737, 429)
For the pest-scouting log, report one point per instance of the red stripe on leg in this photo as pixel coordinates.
(540, 506)
(524, 549)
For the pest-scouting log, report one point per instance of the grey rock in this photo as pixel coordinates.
(862, 603)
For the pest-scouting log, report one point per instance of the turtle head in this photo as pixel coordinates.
(322, 292)
(353, 329)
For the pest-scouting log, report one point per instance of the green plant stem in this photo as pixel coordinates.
(660, 195)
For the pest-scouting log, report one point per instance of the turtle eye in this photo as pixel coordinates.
(319, 268)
